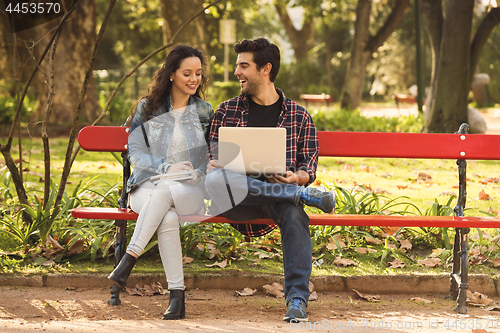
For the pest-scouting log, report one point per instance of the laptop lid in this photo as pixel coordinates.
(253, 150)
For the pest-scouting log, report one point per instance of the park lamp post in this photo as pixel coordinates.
(227, 35)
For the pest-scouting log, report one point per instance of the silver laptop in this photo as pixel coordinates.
(253, 150)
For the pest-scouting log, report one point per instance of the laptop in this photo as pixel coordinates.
(253, 151)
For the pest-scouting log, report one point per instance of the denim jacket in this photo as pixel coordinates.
(158, 128)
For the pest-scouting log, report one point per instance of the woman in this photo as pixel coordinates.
(168, 135)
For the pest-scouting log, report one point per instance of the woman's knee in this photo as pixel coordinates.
(170, 222)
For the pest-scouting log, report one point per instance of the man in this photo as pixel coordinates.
(278, 197)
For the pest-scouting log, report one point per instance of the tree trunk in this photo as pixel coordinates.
(363, 47)
(302, 40)
(175, 13)
(448, 107)
(72, 56)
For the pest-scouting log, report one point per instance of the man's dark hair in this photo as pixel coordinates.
(263, 52)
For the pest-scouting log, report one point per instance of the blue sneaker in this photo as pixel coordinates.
(296, 310)
(315, 197)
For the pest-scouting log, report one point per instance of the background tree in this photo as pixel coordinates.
(72, 56)
(365, 43)
(454, 57)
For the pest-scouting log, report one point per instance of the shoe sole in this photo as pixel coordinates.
(294, 320)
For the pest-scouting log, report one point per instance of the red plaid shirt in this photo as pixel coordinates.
(302, 146)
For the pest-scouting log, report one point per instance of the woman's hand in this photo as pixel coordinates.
(213, 164)
(180, 166)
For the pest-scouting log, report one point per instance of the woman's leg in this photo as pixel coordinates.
(169, 244)
(152, 202)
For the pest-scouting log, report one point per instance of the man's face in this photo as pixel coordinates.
(246, 70)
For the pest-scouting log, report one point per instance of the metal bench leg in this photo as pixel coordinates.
(120, 247)
(455, 273)
(464, 271)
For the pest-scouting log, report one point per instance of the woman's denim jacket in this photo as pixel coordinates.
(151, 161)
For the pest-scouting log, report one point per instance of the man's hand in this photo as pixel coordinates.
(288, 178)
(301, 178)
(180, 166)
(214, 164)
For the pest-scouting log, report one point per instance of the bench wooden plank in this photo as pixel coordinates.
(410, 145)
(315, 219)
(104, 138)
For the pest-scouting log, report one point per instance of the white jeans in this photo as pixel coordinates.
(158, 204)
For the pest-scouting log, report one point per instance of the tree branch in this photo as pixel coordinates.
(487, 25)
(390, 24)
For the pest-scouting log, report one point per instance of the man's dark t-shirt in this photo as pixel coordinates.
(264, 116)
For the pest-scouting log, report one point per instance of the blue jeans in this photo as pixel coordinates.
(254, 199)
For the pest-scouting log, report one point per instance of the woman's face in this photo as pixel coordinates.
(186, 79)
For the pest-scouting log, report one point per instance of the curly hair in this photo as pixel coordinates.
(160, 88)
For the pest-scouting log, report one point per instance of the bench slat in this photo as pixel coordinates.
(410, 145)
(315, 219)
(104, 138)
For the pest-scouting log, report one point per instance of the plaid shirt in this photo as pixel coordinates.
(302, 146)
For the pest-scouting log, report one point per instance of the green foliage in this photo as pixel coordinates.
(221, 91)
(8, 105)
(334, 119)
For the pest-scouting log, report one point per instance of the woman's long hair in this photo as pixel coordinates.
(160, 88)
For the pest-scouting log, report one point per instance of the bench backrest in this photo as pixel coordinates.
(346, 144)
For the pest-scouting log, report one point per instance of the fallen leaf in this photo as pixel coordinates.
(405, 244)
(364, 167)
(421, 300)
(496, 262)
(436, 253)
(146, 290)
(313, 296)
(379, 190)
(49, 263)
(187, 260)
(221, 264)
(390, 230)
(246, 292)
(332, 245)
(51, 304)
(401, 187)
(364, 250)
(493, 308)
(344, 262)
(424, 176)
(369, 298)
(396, 264)
(430, 262)
(347, 166)
(275, 289)
(372, 240)
(386, 175)
(492, 211)
(477, 259)
(76, 247)
(477, 299)
(483, 195)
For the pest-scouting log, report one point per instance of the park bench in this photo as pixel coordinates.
(402, 98)
(316, 98)
(459, 146)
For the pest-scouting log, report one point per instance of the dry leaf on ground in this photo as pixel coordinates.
(344, 262)
(275, 289)
(424, 176)
(187, 260)
(421, 300)
(493, 308)
(477, 299)
(396, 264)
(405, 244)
(246, 292)
(372, 240)
(447, 193)
(369, 298)
(390, 230)
(332, 245)
(477, 259)
(483, 195)
(496, 262)
(430, 262)
(146, 290)
(492, 211)
(221, 264)
(76, 247)
(364, 250)
(313, 296)
(436, 253)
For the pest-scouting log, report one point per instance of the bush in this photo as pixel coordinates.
(330, 119)
(221, 91)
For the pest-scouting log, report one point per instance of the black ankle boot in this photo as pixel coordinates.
(176, 306)
(122, 271)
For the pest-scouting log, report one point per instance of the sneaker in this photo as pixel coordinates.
(315, 197)
(296, 310)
